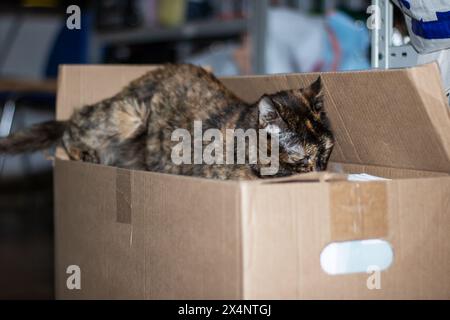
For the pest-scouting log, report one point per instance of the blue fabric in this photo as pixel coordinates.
(439, 29)
(405, 3)
(354, 41)
(71, 46)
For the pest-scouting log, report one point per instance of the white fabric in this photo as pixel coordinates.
(364, 177)
(426, 11)
(288, 34)
(429, 49)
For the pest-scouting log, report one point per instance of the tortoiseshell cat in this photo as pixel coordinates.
(133, 128)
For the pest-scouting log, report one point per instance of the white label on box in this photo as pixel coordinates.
(356, 256)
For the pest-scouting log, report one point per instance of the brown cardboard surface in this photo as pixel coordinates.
(286, 226)
(123, 196)
(182, 240)
(352, 213)
(147, 235)
(195, 238)
(82, 85)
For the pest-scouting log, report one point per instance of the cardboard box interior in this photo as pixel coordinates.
(395, 119)
(148, 235)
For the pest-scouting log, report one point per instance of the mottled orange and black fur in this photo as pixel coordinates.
(133, 128)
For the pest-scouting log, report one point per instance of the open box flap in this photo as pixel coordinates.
(80, 85)
(393, 118)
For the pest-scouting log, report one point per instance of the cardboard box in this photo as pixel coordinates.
(148, 235)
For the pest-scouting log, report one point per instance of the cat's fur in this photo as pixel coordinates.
(133, 128)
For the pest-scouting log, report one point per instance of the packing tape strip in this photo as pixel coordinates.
(359, 210)
(123, 196)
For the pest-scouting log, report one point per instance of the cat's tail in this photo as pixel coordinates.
(38, 137)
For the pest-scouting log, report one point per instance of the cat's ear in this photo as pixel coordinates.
(267, 111)
(314, 94)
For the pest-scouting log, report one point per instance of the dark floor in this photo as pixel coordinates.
(26, 237)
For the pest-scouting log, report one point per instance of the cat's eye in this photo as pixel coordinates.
(295, 157)
(299, 159)
(305, 160)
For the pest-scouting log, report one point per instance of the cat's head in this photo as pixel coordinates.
(305, 136)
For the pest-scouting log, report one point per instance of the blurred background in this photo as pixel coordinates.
(233, 37)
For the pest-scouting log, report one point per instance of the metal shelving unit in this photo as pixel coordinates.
(256, 25)
(187, 31)
(384, 54)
